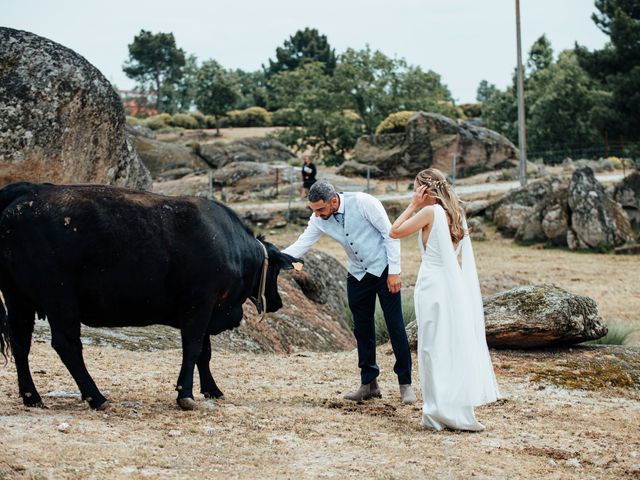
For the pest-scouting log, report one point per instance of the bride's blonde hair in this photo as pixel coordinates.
(442, 191)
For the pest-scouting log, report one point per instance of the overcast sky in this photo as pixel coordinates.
(465, 41)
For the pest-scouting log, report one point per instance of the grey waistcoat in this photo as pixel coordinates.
(363, 243)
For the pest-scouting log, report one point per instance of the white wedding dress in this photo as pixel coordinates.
(453, 359)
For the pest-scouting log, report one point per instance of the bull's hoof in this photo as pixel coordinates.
(105, 407)
(214, 394)
(186, 403)
(99, 404)
(32, 401)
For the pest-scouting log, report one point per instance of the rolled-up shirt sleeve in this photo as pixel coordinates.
(305, 241)
(372, 209)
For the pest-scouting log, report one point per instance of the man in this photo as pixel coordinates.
(308, 176)
(360, 224)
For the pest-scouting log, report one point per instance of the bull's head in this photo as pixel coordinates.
(277, 261)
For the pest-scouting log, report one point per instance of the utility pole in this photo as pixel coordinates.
(522, 138)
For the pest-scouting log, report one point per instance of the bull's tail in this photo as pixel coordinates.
(8, 195)
(5, 344)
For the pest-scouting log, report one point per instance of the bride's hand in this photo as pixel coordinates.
(420, 197)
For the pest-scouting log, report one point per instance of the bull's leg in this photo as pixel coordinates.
(65, 339)
(193, 332)
(21, 319)
(208, 385)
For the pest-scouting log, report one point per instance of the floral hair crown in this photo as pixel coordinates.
(435, 183)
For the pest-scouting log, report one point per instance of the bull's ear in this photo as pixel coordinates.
(286, 261)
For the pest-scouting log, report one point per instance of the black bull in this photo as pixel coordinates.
(113, 257)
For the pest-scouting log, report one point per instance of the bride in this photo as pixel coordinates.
(455, 367)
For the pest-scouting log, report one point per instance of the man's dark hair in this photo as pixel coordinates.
(321, 191)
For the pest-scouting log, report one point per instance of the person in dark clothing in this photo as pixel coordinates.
(308, 176)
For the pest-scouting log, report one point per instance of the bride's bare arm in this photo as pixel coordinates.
(408, 223)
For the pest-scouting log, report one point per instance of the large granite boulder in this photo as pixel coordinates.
(60, 119)
(627, 194)
(431, 140)
(253, 149)
(536, 316)
(597, 221)
(540, 316)
(524, 212)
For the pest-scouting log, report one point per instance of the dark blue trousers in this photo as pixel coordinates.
(362, 302)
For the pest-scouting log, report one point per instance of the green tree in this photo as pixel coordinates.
(370, 83)
(540, 55)
(253, 89)
(155, 62)
(305, 46)
(561, 100)
(485, 91)
(419, 90)
(180, 96)
(325, 125)
(374, 86)
(616, 67)
(216, 91)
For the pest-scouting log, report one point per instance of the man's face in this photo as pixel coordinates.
(324, 209)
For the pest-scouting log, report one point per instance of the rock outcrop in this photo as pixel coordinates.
(578, 213)
(252, 180)
(536, 316)
(597, 221)
(627, 194)
(254, 149)
(431, 140)
(164, 159)
(539, 316)
(352, 168)
(520, 212)
(60, 119)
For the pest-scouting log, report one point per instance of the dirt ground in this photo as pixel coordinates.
(283, 417)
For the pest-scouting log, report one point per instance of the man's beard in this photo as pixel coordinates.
(327, 217)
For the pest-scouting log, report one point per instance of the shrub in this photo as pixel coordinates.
(352, 116)
(194, 145)
(286, 117)
(200, 118)
(394, 123)
(133, 120)
(249, 117)
(183, 120)
(156, 122)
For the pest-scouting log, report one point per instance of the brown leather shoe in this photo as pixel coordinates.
(365, 392)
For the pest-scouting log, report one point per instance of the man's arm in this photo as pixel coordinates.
(374, 212)
(305, 241)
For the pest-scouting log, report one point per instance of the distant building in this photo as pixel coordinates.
(138, 103)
